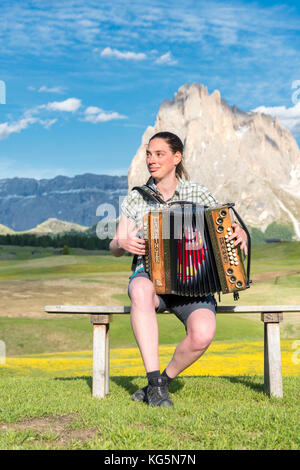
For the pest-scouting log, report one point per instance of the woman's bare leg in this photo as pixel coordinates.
(144, 321)
(201, 327)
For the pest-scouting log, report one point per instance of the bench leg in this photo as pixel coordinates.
(107, 359)
(100, 356)
(272, 355)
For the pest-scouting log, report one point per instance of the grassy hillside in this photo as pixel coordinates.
(36, 336)
(18, 262)
(31, 281)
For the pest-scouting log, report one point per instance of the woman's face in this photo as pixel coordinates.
(161, 161)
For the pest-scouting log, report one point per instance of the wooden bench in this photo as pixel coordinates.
(101, 316)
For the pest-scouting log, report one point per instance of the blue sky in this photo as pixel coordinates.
(84, 78)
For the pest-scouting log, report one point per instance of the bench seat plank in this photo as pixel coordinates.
(119, 309)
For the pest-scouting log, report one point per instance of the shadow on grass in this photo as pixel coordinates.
(87, 378)
(234, 379)
(128, 382)
(122, 381)
(257, 387)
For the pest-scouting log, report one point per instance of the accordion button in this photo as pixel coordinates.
(231, 262)
(236, 263)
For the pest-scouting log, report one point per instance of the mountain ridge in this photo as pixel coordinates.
(27, 202)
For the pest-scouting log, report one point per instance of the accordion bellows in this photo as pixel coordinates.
(188, 251)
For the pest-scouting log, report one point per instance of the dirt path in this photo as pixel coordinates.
(60, 426)
(268, 276)
(27, 298)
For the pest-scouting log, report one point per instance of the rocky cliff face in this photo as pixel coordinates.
(243, 157)
(26, 202)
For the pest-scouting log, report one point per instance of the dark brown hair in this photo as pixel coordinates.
(175, 145)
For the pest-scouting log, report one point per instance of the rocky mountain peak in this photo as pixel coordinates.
(245, 157)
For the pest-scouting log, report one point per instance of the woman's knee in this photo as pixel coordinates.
(141, 290)
(201, 329)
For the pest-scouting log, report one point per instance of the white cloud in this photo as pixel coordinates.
(289, 117)
(70, 105)
(128, 55)
(58, 28)
(56, 89)
(35, 110)
(166, 59)
(47, 123)
(92, 114)
(88, 23)
(92, 110)
(95, 115)
(6, 129)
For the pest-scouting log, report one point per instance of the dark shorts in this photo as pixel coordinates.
(180, 305)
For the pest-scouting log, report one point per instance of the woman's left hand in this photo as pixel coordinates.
(240, 237)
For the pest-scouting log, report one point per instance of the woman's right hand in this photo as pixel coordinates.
(132, 243)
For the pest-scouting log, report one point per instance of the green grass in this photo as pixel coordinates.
(276, 256)
(16, 252)
(209, 413)
(62, 266)
(265, 258)
(34, 336)
(290, 281)
(38, 412)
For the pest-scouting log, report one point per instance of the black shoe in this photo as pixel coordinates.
(140, 394)
(157, 393)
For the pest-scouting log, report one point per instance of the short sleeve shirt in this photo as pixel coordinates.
(134, 206)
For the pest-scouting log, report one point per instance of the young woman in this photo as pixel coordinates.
(169, 179)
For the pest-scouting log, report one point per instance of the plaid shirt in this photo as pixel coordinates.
(134, 206)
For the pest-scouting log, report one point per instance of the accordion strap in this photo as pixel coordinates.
(249, 243)
(148, 193)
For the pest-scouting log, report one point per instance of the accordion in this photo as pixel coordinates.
(188, 251)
